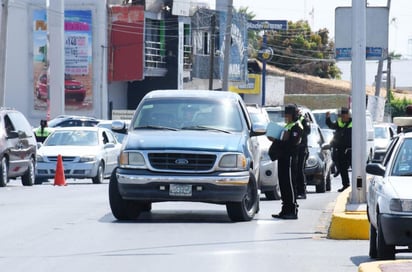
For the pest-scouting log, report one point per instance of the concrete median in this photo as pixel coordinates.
(348, 225)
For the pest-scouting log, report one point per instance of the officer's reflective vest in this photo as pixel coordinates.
(342, 124)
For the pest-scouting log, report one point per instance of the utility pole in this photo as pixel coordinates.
(3, 45)
(212, 50)
(226, 54)
(358, 193)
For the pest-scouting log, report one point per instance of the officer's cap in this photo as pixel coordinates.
(290, 109)
(344, 110)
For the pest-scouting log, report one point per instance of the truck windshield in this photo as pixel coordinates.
(184, 114)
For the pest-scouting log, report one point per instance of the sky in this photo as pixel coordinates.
(321, 14)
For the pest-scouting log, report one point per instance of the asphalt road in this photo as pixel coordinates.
(71, 228)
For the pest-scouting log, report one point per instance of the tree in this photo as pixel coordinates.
(300, 50)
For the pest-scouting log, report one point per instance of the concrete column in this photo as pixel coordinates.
(55, 51)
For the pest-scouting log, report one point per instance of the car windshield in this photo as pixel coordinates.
(72, 137)
(403, 160)
(381, 133)
(321, 118)
(258, 118)
(313, 138)
(276, 116)
(175, 114)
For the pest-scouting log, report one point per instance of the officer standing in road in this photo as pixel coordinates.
(342, 144)
(303, 153)
(42, 132)
(286, 152)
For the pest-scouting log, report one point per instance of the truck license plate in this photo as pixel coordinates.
(180, 190)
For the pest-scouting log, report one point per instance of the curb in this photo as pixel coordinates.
(381, 266)
(348, 225)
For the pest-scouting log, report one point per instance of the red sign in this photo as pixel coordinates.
(126, 61)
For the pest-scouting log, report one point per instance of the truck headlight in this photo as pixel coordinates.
(237, 161)
(131, 159)
(400, 205)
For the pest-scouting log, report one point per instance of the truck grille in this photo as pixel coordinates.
(179, 161)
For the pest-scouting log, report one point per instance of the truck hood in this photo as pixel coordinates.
(184, 140)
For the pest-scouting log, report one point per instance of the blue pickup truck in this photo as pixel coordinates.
(187, 146)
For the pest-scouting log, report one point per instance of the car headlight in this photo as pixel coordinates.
(87, 158)
(233, 161)
(311, 162)
(131, 159)
(400, 205)
(39, 158)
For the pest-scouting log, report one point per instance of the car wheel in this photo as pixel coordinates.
(321, 187)
(4, 176)
(384, 251)
(100, 174)
(121, 209)
(273, 194)
(28, 178)
(246, 209)
(373, 252)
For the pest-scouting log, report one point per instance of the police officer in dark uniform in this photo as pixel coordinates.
(303, 153)
(342, 144)
(286, 149)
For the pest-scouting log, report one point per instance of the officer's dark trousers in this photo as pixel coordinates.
(299, 178)
(286, 185)
(344, 158)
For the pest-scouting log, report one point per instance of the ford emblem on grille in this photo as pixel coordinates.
(181, 161)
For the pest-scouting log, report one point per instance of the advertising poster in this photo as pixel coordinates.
(78, 88)
(238, 50)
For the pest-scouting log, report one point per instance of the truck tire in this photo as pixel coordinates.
(246, 209)
(121, 209)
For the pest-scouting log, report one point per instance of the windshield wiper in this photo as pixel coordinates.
(156, 127)
(205, 128)
(405, 174)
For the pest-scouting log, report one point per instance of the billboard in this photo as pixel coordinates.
(78, 84)
(376, 33)
(238, 49)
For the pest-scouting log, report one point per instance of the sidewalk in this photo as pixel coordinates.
(349, 225)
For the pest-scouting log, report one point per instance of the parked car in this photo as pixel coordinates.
(276, 113)
(72, 121)
(73, 89)
(87, 152)
(389, 200)
(18, 148)
(187, 146)
(384, 133)
(319, 162)
(320, 116)
(267, 173)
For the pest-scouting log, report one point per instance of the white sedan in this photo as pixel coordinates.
(87, 152)
(389, 200)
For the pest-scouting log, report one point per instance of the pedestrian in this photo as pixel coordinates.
(285, 150)
(42, 132)
(342, 144)
(299, 176)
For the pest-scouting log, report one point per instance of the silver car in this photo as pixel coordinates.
(87, 152)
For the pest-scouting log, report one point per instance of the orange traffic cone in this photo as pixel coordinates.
(59, 178)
